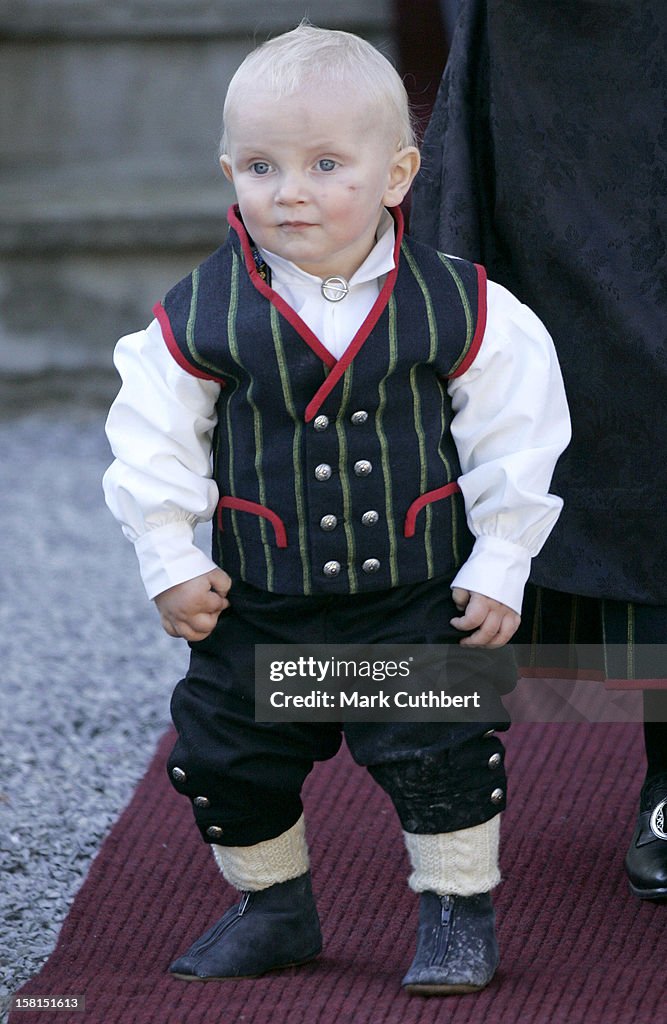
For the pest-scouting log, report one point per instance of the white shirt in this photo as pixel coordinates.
(510, 425)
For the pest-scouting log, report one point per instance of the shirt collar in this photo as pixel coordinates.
(379, 261)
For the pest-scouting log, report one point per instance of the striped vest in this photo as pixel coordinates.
(335, 476)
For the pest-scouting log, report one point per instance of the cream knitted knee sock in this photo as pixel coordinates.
(251, 868)
(462, 863)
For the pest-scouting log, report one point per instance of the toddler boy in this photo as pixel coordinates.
(373, 427)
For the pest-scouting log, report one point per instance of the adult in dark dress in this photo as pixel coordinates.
(546, 160)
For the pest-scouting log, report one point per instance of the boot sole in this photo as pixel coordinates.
(441, 990)
(238, 977)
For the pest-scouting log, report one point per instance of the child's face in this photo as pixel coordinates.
(312, 172)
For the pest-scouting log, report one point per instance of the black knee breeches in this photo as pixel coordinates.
(244, 778)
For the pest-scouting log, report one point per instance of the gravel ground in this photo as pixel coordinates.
(86, 674)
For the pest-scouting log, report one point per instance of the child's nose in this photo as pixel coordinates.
(291, 189)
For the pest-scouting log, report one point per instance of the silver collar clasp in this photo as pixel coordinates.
(335, 288)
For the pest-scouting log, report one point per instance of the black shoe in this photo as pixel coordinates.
(646, 859)
(457, 949)
(273, 928)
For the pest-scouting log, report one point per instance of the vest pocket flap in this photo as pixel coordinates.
(241, 505)
(426, 499)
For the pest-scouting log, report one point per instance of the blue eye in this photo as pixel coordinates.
(260, 167)
(326, 164)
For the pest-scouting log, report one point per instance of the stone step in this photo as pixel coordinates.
(102, 209)
(110, 189)
(99, 19)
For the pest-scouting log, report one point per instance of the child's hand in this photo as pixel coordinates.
(191, 609)
(494, 623)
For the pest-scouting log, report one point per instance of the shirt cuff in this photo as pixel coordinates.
(497, 569)
(168, 556)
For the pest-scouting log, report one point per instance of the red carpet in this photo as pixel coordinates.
(576, 946)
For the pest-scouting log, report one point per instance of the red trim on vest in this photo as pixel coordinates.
(426, 499)
(276, 300)
(481, 325)
(241, 505)
(162, 318)
(369, 323)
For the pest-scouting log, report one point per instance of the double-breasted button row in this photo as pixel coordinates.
(358, 418)
(362, 467)
(330, 521)
(369, 566)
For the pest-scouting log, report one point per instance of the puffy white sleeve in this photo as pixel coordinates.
(159, 486)
(510, 424)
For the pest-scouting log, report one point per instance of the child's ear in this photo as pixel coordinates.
(226, 165)
(404, 166)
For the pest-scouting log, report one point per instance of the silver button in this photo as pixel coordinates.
(489, 732)
(363, 467)
(328, 523)
(370, 518)
(495, 761)
(331, 568)
(359, 417)
(215, 832)
(371, 565)
(201, 801)
(323, 471)
(178, 775)
(321, 422)
(497, 796)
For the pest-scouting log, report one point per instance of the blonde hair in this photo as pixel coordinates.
(284, 64)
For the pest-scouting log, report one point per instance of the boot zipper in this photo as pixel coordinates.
(245, 899)
(446, 911)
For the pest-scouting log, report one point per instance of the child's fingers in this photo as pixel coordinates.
(496, 630)
(193, 628)
(486, 635)
(169, 627)
(220, 582)
(474, 615)
(213, 603)
(490, 623)
(199, 627)
(485, 626)
(460, 597)
(510, 624)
